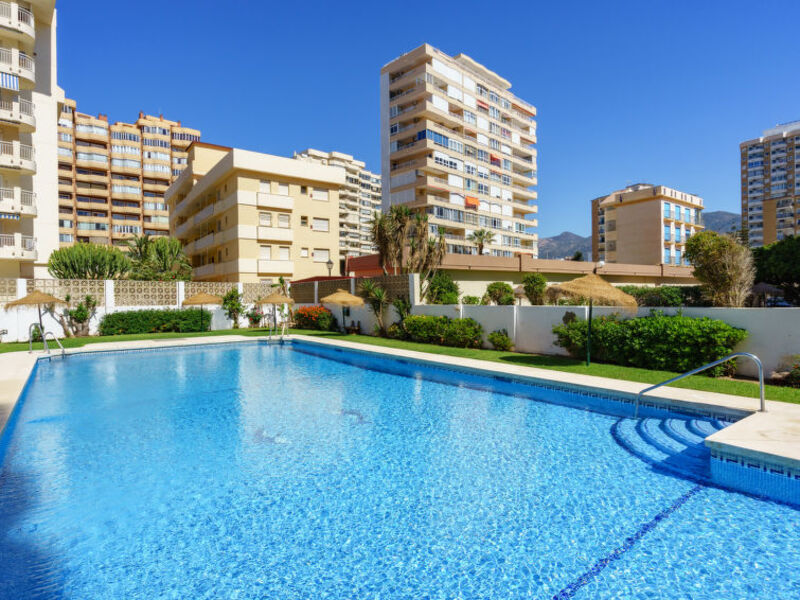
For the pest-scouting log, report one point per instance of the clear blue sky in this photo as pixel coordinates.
(655, 91)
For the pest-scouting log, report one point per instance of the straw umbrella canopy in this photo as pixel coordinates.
(593, 288)
(38, 299)
(597, 290)
(201, 300)
(519, 293)
(275, 299)
(343, 299)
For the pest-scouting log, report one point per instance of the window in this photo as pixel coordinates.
(125, 162)
(65, 223)
(155, 155)
(667, 233)
(283, 253)
(317, 194)
(265, 252)
(666, 256)
(303, 189)
(263, 186)
(188, 137)
(124, 135)
(65, 137)
(265, 219)
(65, 237)
(125, 189)
(156, 130)
(320, 224)
(157, 143)
(304, 221)
(95, 129)
(120, 149)
(156, 168)
(283, 189)
(283, 221)
(321, 255)
(90, 156)
(303, 252)
(667, 209)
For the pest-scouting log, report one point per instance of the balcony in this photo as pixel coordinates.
(18, 201)
(278, 234)
(15, 246)
(17, 63)
(19, 112)
(204, 271)
(17, 22)
(277, 267)
(203, 242)
(17, 157)
(265, 200)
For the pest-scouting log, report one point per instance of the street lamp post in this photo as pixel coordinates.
(329, 264)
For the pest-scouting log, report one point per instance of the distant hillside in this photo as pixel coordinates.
(564, 245)
(721, 221)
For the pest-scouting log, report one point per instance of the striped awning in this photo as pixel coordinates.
(11, 216)
(9, 82)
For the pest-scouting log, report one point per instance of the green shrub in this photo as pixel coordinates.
(233, 306)
(500, 340)
(500, 293)
(462, 333)
(396, 332)
(154, 321)
(793, 378)
(534, 285)
(658, 342)
(666, 295)
(442, 289)
(470, 300)
(315, 317)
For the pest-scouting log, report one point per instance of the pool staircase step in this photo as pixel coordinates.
(669, 444)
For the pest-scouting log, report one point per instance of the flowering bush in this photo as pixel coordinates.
(314, 317)
(793, 378)
(254, 317)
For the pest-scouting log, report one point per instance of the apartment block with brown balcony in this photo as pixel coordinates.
(359, 200)
(770, 177)
(459, 146)
(112, 177)
(250, 217)
(645, 224)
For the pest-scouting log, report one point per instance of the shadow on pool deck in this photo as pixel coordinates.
(27, 571)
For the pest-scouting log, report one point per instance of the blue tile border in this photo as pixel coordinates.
(570, 590)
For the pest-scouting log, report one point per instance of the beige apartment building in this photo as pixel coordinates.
(250, 217)
(458, 145)
(112, 177)
(770, 171)
(29, 97)
(645, 224)
(359, 200)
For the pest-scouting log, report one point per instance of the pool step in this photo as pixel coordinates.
(670, 444)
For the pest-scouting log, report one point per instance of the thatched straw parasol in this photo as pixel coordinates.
(595, 290)
(38, 299)
(275, 299)
(200, 300)
(519, 293)
(343, 299)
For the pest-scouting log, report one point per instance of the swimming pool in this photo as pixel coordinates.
(293, 471)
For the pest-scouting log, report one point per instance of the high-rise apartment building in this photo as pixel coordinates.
(458, 145)
(251, 217)
(645, 224)
(770, 167)
(112, 177)
(359, 200)
(29, 96)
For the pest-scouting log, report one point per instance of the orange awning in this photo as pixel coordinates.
(471, 202)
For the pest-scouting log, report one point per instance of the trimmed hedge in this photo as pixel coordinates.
(461, 333)
(154, 321)
(666, 295)
(658, 342)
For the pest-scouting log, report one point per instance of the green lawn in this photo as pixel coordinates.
(557, 363)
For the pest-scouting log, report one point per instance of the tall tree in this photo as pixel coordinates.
(160, 258)
(779, 264)
(724, 267)
(481, 237)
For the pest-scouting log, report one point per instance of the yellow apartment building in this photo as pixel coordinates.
(644, 224)
(112, 177)
(29, 97)
(249, 217)
(458, 145)
(770, 173)
(359, 200)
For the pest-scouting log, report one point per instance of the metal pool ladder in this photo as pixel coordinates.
(752, 357)
(44, 335)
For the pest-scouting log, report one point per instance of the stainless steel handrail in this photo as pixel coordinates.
(752, 357)
(30, 337)
(46, 333)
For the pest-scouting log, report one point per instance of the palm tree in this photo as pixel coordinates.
(382, 238)
(481, 237)
(139, 248)
(378, 300)
(169, 258)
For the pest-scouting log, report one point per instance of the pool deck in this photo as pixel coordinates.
(772, 437)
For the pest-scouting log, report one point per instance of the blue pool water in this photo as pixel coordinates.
(264, 471)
